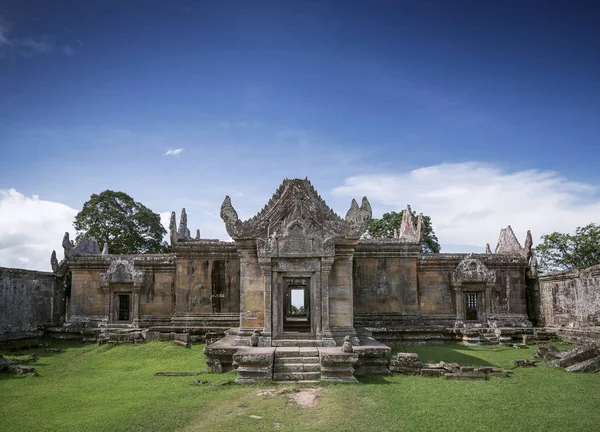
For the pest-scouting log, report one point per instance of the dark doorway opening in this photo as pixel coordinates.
(471, 309)
(123, 307)
(296, 306)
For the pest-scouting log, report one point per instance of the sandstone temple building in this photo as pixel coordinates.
(296, 276)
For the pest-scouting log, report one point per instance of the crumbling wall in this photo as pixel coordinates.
(29, 300)
(570, 298)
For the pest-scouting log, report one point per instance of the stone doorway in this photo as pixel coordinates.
(296, 307)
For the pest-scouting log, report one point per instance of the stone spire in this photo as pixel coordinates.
(532, 270)
(408, 232)
(488, 250)
(173, 228)
(359, 215)
(420, 227)
(183, 233)
(105, 248)
(509, 244)
(528, 244)
(197, 234)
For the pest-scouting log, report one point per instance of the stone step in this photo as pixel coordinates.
(296, 376)
(293, 360)
(296, 352)
(295, 343)
(297, 367)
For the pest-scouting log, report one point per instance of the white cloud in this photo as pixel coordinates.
(173, 152)
(165, 220)
(470, 202)
(30, 228)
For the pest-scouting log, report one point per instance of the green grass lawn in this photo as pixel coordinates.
(112, 388)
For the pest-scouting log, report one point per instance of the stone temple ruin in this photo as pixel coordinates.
(300, 293)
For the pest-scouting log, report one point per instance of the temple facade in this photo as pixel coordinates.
(297, 271)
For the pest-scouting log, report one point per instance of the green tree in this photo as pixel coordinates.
(559, 251)
(390, 223)
(127, 225)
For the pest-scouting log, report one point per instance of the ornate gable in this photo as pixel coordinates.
(471, 269)
(297, 212)
(122, 271)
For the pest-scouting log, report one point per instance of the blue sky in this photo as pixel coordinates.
(481, 114)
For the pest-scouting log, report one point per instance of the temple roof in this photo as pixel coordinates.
(296, 199)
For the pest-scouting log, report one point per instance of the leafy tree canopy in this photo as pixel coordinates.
(390, 223)
(129, 226)
(560, 251)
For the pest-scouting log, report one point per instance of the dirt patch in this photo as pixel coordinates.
(306, 397)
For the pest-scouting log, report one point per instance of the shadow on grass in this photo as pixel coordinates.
(375, 379)
(461, 354)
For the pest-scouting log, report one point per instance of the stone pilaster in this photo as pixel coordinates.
(326, 335)
(252, 292)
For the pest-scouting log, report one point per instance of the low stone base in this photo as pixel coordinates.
(337, 366)
(373, 357)
(220, 354)
(406, 363)
(254, 364)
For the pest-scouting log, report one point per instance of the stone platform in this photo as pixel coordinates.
(286, 363)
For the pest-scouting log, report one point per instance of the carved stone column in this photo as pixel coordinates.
(488, 300)
(327, 336)
(250, 273)
(135, 307)
(460, 303)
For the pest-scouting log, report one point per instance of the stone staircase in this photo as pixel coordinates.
(296, 364)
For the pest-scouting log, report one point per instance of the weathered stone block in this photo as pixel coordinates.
(549, 352)
(406, 363)
(524, 363)
(578, 355)
(254, 364)
(590, 365)
(336, 365)
(433, 372)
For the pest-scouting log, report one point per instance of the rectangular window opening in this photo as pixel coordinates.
(124, 307)
(471, 312)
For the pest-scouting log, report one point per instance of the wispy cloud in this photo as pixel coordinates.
(173, 152)
(11, 45)
(470, 202)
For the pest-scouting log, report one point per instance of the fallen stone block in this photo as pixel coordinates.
(433, 372)
(524, 363)
(181, 343)
(549, 352)
(21, 369)
(450, 367)
(578, 355)
(407, 363)
(587, 366)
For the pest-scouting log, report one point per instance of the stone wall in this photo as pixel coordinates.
(397, 285)
(98, 279)
(29, 300)
(208, 276)
(570, 298)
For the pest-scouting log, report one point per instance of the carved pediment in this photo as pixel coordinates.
(122, 271)
(297, 216)
(471, 269)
